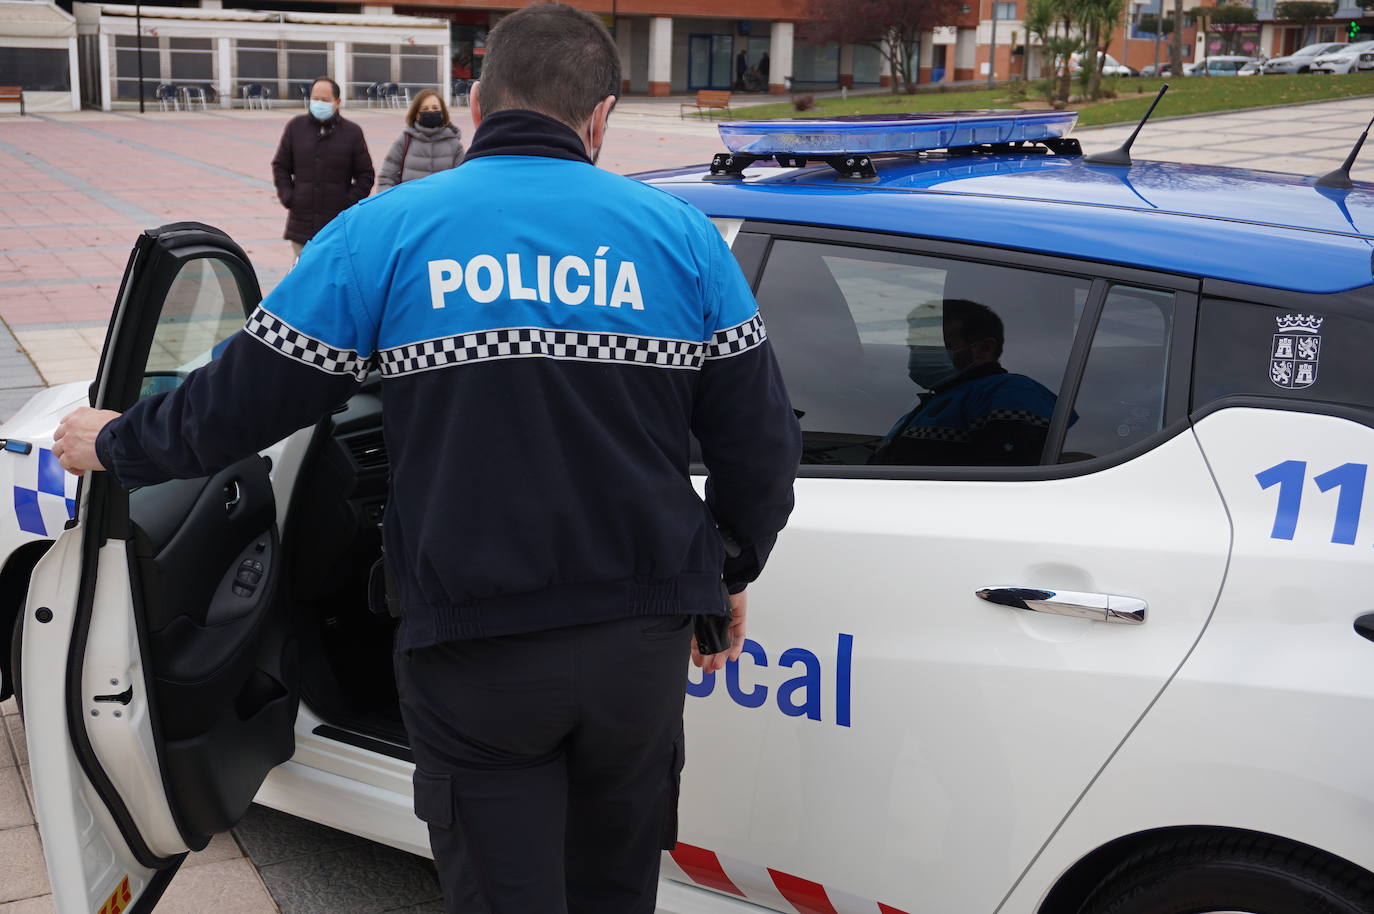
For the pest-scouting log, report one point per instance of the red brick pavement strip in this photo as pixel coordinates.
(63, 249)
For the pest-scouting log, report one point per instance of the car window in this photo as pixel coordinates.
(202, 309)
(1121, 397)
(905, 359)
(1300, 352)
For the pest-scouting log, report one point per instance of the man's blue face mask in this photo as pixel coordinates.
(321, 111)
(930, 366)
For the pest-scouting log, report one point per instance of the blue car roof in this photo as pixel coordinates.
(1258, 227)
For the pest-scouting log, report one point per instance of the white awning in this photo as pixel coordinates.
(34, 19)
(193, 13)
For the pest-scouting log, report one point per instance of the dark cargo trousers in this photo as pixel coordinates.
(547, 764)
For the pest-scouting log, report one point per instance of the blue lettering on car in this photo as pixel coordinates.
(1291, 475)
(799, 696)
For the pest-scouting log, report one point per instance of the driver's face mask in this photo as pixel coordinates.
(930, 366)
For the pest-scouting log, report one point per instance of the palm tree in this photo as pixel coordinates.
(1054, 22)
(1101, 18)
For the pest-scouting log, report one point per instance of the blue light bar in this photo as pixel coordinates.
(875, 134)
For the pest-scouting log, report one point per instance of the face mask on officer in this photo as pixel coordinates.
(930, 366)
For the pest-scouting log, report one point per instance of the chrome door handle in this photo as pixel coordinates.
(1100, 607)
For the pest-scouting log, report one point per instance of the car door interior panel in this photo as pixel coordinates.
(205, 552)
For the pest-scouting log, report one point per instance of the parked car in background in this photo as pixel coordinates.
(1163, 68)
(1110, 65)
(1253, 68)
(1345, 60)
(1224, 65)
(1300, 61)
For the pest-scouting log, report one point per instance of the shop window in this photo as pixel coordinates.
(36, 69)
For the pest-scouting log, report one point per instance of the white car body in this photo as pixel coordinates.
(1110, 65)
(1301, 61)
(1347, 60)
(933, 752)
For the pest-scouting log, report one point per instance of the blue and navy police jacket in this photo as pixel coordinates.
(550, 336)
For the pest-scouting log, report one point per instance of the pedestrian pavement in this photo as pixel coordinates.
(76, 189)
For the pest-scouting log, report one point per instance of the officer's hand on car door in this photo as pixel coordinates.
(73, 444)
(713, 662)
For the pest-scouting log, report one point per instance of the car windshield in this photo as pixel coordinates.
(1313, 49)
(1358, 46)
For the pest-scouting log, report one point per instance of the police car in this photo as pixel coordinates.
(1073, 615)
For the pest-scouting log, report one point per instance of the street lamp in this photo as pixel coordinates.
(138, 44)
(992, 51)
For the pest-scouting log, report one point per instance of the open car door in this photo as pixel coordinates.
(158, 672)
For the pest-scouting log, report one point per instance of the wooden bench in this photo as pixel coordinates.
(13, 94)
(708, 100)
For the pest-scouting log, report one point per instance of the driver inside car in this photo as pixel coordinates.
(973, 412)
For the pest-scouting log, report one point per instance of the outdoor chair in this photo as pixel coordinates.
(394, 96)
(374, 94)
(167, 95)
(192, 96)
(255, 95)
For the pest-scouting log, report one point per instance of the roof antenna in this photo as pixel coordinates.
(1340, 178)
(1122, 155)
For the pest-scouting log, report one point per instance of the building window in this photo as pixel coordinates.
(371, 64)
(305, 62)
(36, 69)
(420, 67)
(816, 64)
(868, 64)
(126, 66)
(1005, 10)
(192, 59)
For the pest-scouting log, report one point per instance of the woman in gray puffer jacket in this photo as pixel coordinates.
(428, 144)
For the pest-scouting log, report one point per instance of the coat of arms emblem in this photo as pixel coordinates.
(1297, 347)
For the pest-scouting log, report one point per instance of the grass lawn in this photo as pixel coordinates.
(1188, 95)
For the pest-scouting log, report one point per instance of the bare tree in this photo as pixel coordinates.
(893, 27)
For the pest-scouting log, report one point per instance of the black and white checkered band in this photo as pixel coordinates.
(302, 347)
(1024, 416)
(936, 433)
(737, 339)
(541, 342)
(961, 435)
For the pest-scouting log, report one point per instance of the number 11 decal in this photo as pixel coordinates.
(1290, 475)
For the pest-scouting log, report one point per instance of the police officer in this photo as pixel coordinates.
(550, 338)
(975, 412)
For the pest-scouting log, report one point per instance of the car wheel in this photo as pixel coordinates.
(15, 653)
(1304, 69)
(1222, 874)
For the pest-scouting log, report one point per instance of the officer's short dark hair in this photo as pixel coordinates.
(325, 79)
(976, 321)
(551, 58)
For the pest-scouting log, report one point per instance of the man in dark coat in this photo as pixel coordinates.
(322, 166)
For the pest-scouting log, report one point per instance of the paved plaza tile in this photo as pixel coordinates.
(75, 191)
